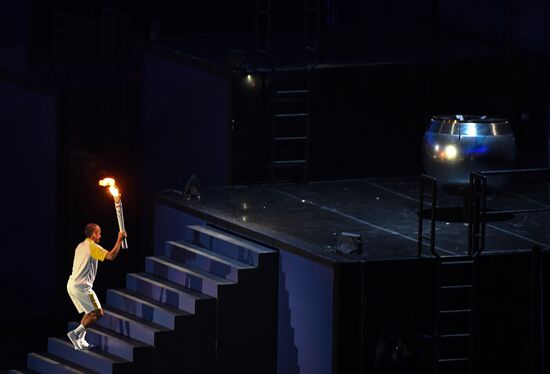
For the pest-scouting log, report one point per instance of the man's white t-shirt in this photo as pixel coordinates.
(86, 256)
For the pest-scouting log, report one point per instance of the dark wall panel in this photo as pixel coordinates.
(185, 123)
(305, 316)
(15, 19)
(28, 271)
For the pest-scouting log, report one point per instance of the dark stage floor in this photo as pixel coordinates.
(308, 218)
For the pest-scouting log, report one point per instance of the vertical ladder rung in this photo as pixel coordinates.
(289, 162)
(465, 335)
(291, 92)
(455, 311)
(457, 262)
(458, 286)
(289, 138)
(289, 115)
(458, 359)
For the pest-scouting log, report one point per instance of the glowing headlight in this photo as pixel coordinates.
(250, 80)
(450, 152)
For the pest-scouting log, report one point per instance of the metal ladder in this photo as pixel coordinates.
(454, 320)
(263, 28)
(454, 295)
(426, 179)
(312, 23)
(290, 108)
(113, 98)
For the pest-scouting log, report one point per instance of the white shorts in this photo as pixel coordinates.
(83, 300)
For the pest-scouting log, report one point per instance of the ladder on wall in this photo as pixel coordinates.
(113, 90)
(289, 94)
(454, 294)
(312, 33)
(290, 108)
(263, 28)
(454, 321)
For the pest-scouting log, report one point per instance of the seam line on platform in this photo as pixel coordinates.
(488, 225)
(518, 235)
(332, 210)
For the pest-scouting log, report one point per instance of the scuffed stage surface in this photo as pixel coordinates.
(308, 217)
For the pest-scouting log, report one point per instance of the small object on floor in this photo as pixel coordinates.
(191, 189)
(349, 244)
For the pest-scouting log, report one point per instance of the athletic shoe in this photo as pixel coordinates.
(84, 344)
(74, 339)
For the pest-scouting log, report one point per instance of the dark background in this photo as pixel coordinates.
(76, 99)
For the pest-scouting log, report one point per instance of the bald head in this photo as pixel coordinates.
(90, 229)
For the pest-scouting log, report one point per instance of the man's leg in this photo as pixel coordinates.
(88, 300)
(90, 318)
(87, 320)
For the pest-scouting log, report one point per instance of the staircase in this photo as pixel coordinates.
(208, 305)
(454, 315)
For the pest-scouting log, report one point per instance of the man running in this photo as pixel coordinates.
(82, 279)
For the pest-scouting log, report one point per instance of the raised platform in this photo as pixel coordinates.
(308, 218)
(357, 308)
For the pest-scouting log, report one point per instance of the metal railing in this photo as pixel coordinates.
(478, 213)
(424, 179)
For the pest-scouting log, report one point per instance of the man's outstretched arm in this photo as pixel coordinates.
(114, 252)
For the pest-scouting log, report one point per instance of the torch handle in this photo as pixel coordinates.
(120, 219)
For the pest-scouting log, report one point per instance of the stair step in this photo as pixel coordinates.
(205, 260)
(112, 342)
(22, 371)
(226, 244)
(100, 361)
(165, 292)
(144, 309)
(47, 363)
(130, 326)
(191, 278)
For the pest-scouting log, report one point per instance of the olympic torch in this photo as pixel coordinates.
(118, 205)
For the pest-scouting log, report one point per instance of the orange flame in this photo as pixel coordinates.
(107, 182)
(112, 187)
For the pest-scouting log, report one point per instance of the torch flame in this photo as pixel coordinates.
(107, 182)
(112, 187)
(114, 191)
